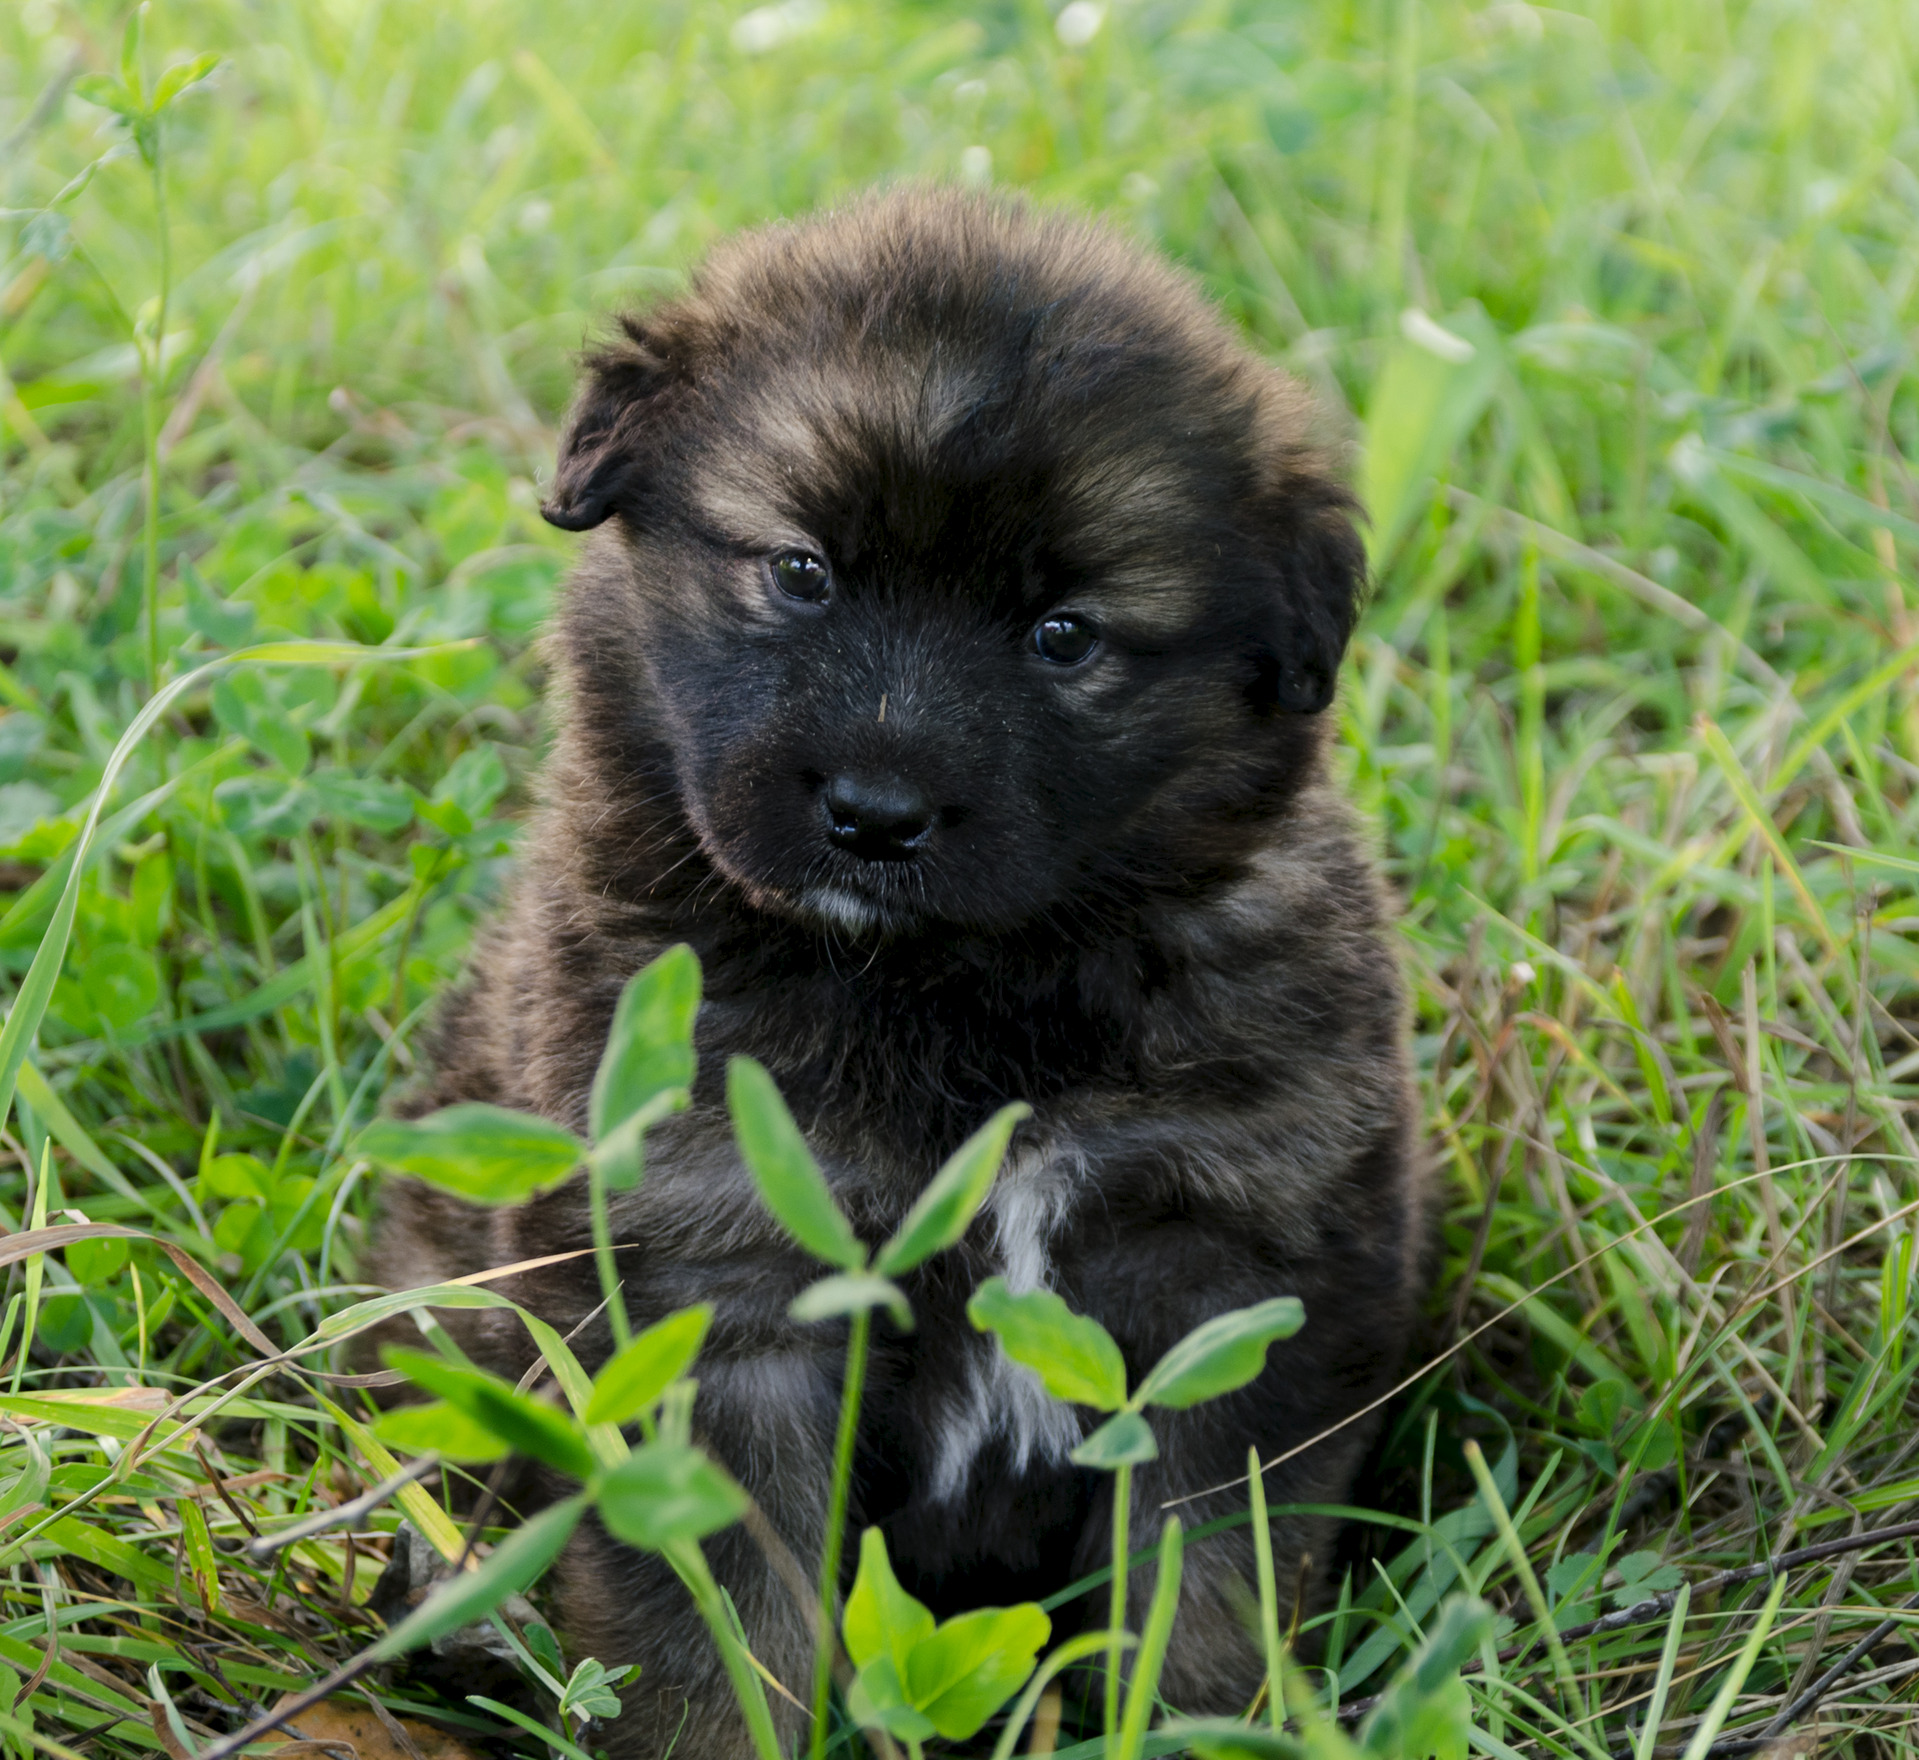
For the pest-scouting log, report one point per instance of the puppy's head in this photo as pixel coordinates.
(969, 571)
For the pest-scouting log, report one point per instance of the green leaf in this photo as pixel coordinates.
(132, 41)
(1122, 1441)
(109, 94)
(659, 1356)
(620, 1155)
(649, 1050)
(946, 1208)
(783, 1168)
(466, 793)
(666, 1492)
(482, 1153)
(967, 1669)
(1225, 1353)
(177, 78)
(362, 800)
(881, 1618)
(1425, 1709)
(246, 705)
(589, 1690)
(405, 1301)
(878, 1700)
(1072, 1354)
(439, 1427)
(516, 1565)
(121, 984)
(851, 1292)
(527, 1425)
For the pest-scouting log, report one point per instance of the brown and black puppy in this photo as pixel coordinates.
(949, 668)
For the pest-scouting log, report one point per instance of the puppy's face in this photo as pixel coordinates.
(970, 570)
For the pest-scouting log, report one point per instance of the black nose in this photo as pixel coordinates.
(878, 818)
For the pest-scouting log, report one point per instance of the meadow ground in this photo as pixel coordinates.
(1618, 301)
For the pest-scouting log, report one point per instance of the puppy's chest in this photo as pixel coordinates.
(985, 1406)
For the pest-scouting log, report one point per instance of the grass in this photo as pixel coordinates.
(1634, 710)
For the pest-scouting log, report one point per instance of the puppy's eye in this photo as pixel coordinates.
(799, 574)
(1065, 641)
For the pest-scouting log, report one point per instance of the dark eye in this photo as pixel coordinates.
(1065, 641)
(799, 574)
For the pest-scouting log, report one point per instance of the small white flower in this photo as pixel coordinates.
(767, 27)
(1078, 23)
(1520, 973)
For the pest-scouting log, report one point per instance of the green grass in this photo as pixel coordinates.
(1636, 711)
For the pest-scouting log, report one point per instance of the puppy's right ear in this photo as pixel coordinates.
(611, 436)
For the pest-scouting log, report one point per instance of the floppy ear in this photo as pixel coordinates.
(611, 436)
(1320, 566)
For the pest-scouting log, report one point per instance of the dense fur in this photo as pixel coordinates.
(1135, 903)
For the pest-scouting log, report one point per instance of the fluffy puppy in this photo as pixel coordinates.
(948, 666)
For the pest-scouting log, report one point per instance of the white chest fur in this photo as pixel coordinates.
(1000, 1398)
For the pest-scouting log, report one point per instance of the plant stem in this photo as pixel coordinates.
(836, 1525)
(1152, 1645)
(1268, 1593)
(690, 1562)
(603, 1257)
(1116, 1605)
(150, 422)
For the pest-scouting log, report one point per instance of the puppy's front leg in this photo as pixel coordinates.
(768, 1418)
(1151, 1285)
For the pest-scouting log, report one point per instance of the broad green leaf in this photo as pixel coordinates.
(245, 703)
(516, 1565)
(1225, 1353)
(620, 1155)
(881, 1618)
(362, 800)
(177, 78)
(1425, 1709)
(466, 793)
(121, 984)
(1122, 1441)
(649, 1050)
(1072, 1354)
(589, 1690)
(851, 1292)
(878, 1700)
(527, 1425)
(946, 1208)
(237, 1176)
(109, 94)
(783, 1168)
(439, 1427)
(638, 1375)
(665, 1492)
(482, 1153)
(968, 1668)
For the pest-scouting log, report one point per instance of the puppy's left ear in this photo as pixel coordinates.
(612, 436)
(1320, 564)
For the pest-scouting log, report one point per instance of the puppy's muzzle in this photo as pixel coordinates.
(877, 818)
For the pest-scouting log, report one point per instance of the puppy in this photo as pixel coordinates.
(949, 667)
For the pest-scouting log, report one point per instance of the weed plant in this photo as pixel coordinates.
(1615, 302)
